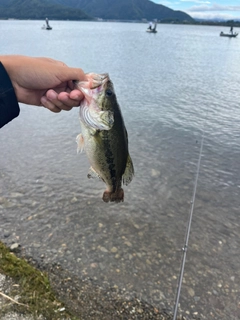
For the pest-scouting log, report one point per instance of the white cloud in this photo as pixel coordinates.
(214, 7)
(203, 9)
(197, 1)
(211, 15)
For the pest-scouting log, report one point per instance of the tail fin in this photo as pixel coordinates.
(117, 196)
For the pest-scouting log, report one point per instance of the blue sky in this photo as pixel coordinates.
(206, 9)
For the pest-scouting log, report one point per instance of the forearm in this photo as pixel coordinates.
(9, 108)
(37, 81)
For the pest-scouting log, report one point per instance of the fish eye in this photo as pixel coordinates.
(109, 92)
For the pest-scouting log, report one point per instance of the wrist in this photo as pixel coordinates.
(10, 65)
(6, 61)
(9, 108)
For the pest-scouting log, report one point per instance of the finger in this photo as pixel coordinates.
(49, 105)
(71, 99)
(71, 74)
(64, 104)
(67, 101)
(76, 95)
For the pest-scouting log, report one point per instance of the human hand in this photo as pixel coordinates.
(44, 81)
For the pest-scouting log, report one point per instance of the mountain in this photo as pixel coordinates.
(86, 9)
(126, 9)
(39, 9)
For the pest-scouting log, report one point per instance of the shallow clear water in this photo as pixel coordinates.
(171, 87)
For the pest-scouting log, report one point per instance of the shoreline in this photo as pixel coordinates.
(82, 298)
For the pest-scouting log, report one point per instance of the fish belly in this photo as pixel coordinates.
(107, 155)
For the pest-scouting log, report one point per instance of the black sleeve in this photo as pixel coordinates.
(9, 108)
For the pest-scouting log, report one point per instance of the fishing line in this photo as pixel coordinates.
(185, 247)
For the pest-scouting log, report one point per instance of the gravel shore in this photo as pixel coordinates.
(83, 299)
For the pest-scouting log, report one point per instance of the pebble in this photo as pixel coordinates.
(101, 266)
(93, 265)
(14, 247)
(16, 195)
(6, 233)
(136, 226)
(37, 245)
(61, 309)
(191, 292)
(73, 200)
(155, 173)
(114, 249)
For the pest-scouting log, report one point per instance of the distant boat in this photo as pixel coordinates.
(47, 26)
(229, 35)
(152, 29)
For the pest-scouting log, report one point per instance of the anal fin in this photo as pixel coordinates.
(93, 174)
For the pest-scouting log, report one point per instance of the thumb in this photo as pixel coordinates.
(67, 74)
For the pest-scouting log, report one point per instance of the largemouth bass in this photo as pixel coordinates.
(104, 136)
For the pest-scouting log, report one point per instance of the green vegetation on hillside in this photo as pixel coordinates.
(88, 9)
(39, 9)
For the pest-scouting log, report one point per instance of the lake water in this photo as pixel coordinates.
(171, 87)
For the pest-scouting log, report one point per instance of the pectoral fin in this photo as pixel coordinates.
(80, 143)
(129, 171)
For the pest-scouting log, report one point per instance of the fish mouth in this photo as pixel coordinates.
(97, 80)
(98, 83)
(94, 81)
